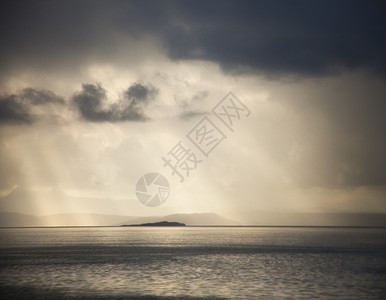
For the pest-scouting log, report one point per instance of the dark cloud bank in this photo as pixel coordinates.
(305, 38)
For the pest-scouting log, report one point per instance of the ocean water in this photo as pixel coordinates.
(192, 263)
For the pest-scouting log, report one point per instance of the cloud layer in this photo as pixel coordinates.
(274, 38)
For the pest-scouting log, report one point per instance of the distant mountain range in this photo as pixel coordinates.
(10, 219)
(22, 209)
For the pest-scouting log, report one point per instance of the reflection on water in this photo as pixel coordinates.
(214, 263)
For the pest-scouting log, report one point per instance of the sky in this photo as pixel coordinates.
(94, 94)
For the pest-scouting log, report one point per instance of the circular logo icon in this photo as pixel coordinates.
(152, 189)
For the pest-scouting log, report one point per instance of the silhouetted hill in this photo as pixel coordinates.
(157, 224)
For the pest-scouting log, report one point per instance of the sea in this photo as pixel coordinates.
(193, 263)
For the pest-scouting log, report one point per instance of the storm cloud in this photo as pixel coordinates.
(93, 106)
(282, 37)
(91, 102)
(274, 38)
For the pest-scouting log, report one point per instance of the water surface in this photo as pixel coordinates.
(197, 262)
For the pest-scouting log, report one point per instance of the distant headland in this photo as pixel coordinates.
(156, 224)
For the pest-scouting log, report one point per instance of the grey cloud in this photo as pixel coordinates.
(12, 111)
(138, 93)
(191, 106)
(201, 95)
(187, 115)
(92, 103)
(37, 97)
(306, 38)
(89, 101)
(16, 108)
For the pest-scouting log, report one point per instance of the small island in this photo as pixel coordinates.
(156, 224)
